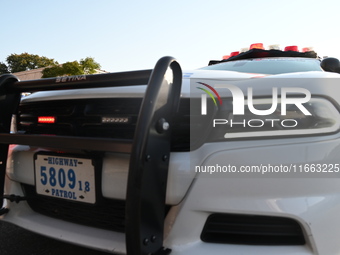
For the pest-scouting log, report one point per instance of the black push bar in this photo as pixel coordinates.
(150, 150)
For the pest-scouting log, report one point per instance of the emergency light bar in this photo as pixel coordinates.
(260, 46)
(291, 48)
(256, 46)
(46, 119)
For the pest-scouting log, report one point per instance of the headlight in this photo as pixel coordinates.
(324, 119)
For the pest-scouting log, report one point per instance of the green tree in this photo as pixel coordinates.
(3, 68)
(89, 66)
(52, 71)
(24, 61)
(72, 68)
(84, 66)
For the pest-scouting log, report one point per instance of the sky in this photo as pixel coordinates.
(133, 35)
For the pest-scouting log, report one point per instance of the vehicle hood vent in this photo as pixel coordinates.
(252, 230)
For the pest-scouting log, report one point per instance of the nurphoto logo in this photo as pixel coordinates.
(240, 104)
(239, 101)
(204, 97)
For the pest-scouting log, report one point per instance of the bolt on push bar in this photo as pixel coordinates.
(149, 151)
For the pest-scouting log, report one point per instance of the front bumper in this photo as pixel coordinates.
(313, 202)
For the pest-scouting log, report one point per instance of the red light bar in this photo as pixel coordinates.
(225, 57)
(256, 46)
(235, 53)
(291, 48)
(46, 119)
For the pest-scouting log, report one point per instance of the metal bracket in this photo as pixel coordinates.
(163, 251)
(14, 198)
(3, 211)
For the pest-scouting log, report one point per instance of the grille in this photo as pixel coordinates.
(83, 118)
(106, 214)
(252, 230)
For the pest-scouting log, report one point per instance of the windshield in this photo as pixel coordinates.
(268, 65)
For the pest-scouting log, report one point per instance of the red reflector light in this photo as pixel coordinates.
(291, 48)
(226, 57)
(46, 119)
(256, 46)
(235, 53)
(307, 49)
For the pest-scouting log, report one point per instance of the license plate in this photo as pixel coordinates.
(64, 177)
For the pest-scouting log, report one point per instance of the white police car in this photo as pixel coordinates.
(254, 165)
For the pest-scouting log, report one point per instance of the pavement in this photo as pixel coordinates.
(17, 241)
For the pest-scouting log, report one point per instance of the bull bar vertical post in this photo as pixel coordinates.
(149, 161)
(8, 104)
